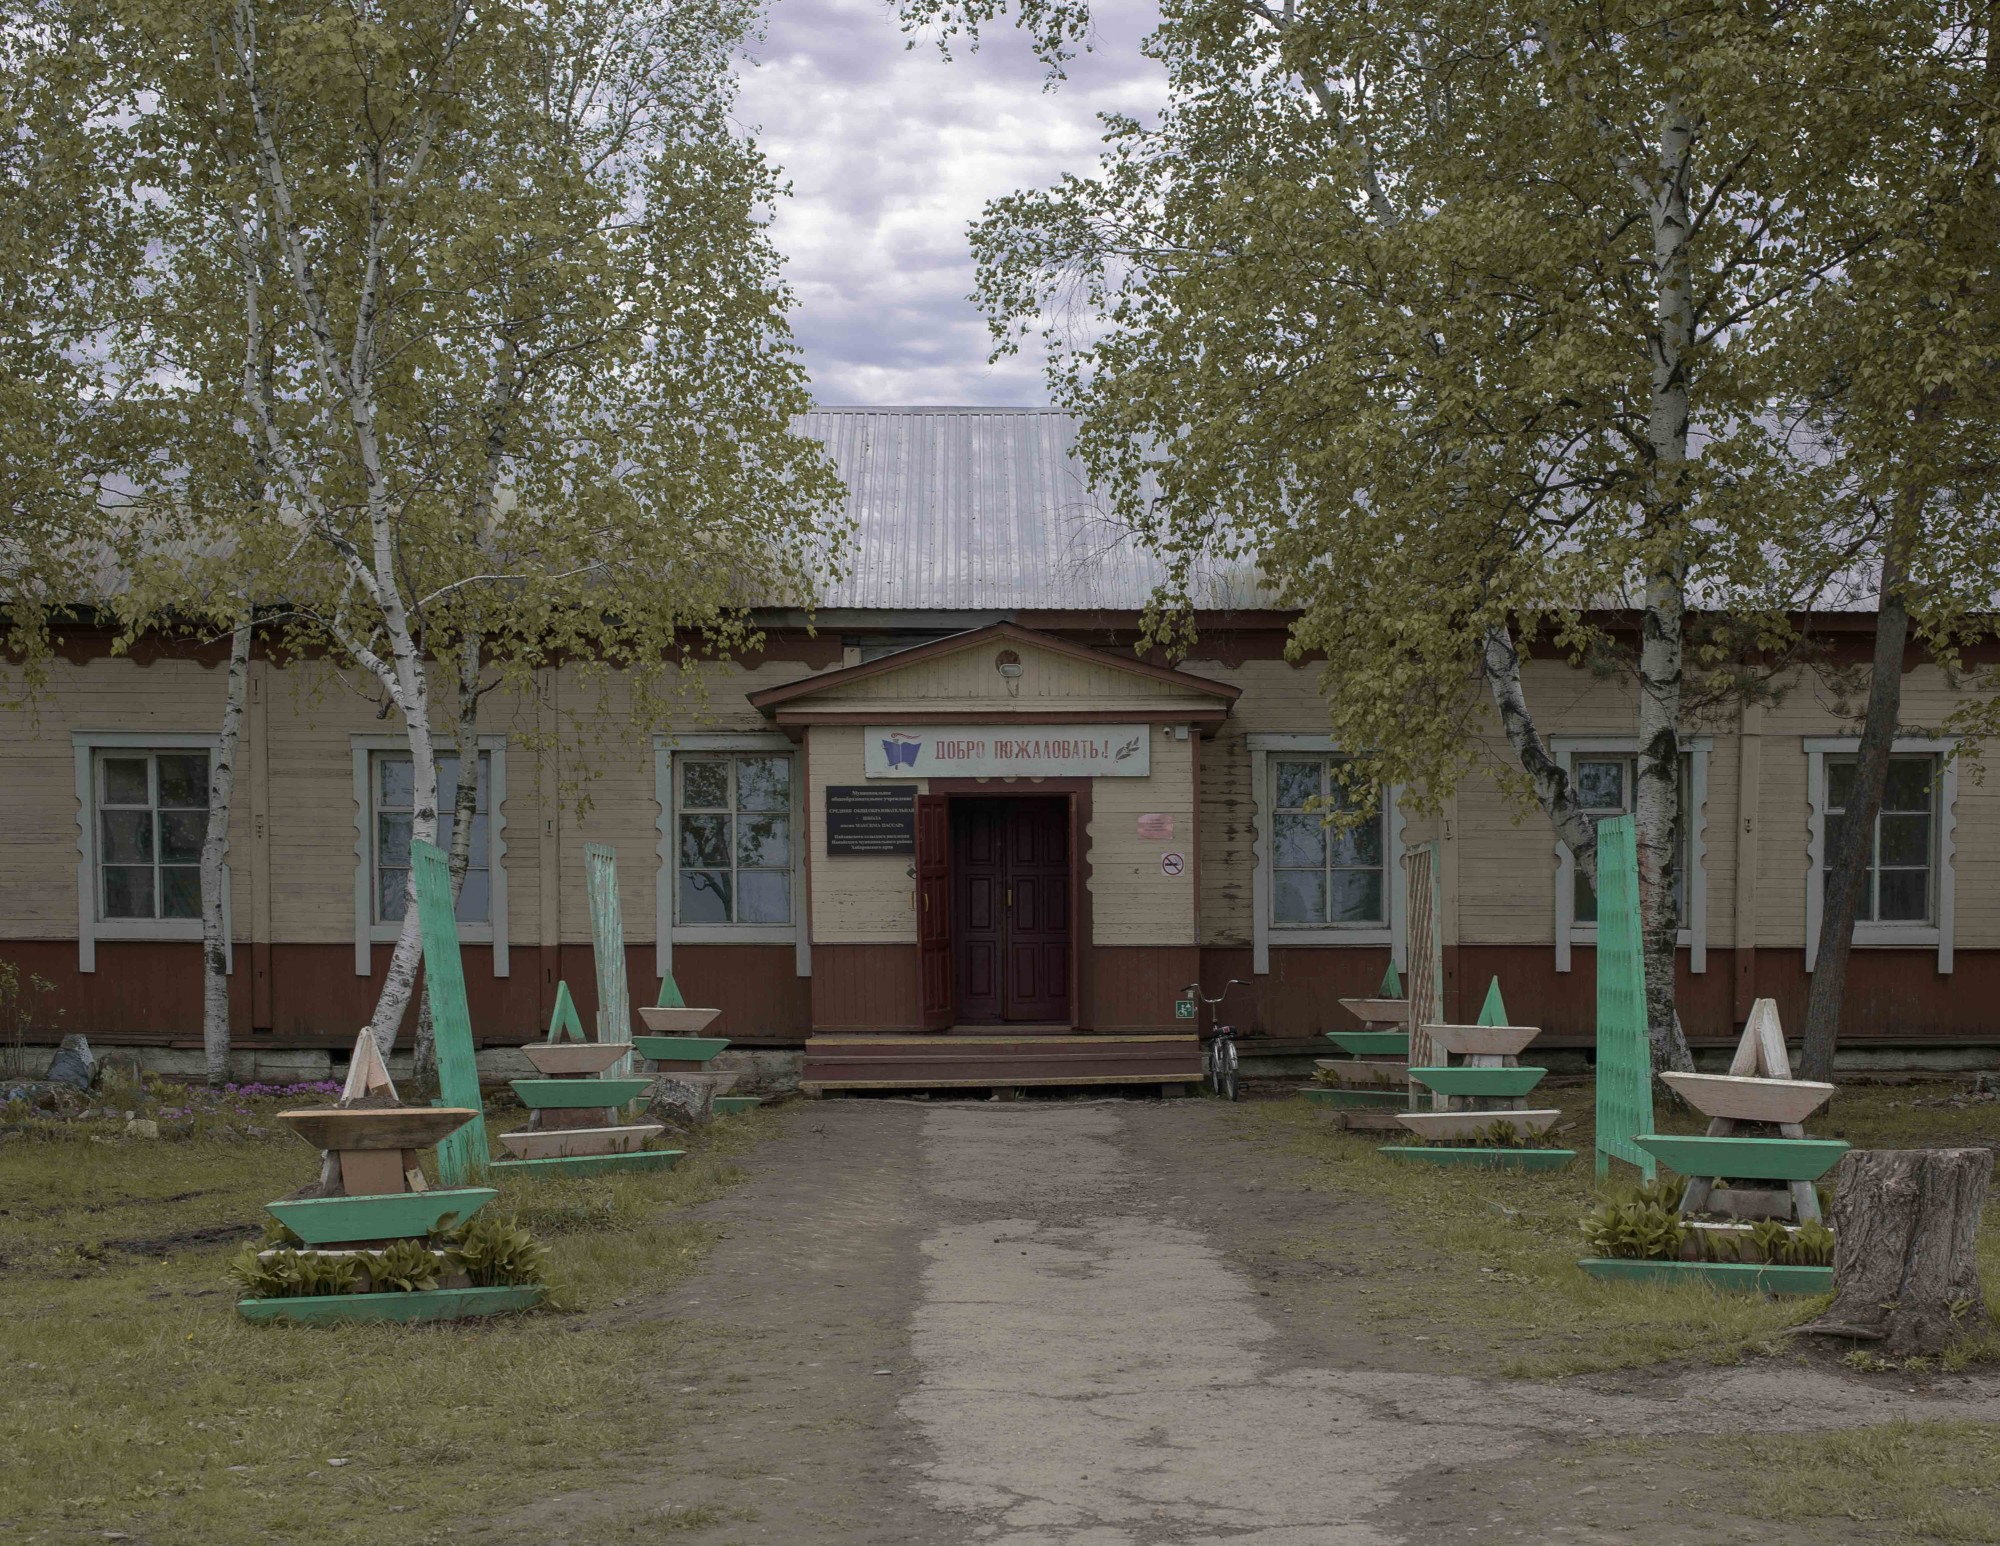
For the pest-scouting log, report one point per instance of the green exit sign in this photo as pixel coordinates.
(1184, 1009)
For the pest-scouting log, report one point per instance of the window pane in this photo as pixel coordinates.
(447, 780)
(1586, 900)
(392, 845)
(764, 783)
(1834, 826)
(1297, 840)
(1908, 785)
(180, 891)
(128, 893)
(1362, 847)
(1357, 896)
(1298, 896)
(128, 839)
(184, 781)
(1839, 782)
(182, 832)
(475, 903)
(704, 840)
(125, 781)
(1600, 784)
(763, 841)
(390, 894)
(705, 786)
(478, 852)
(1906, 896)
(398, 787)
(764, 896)
(1905, 840)
(704, 896)
(1298, 782)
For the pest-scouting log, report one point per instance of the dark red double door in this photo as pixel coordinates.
(1009, 917)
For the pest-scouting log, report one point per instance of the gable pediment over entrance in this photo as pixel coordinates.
(962, 675)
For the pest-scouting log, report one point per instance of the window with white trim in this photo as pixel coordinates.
(733, 843)
(151, 819)
(392, 790)
(1323, 876)
(1607, 786)
(1901, 885)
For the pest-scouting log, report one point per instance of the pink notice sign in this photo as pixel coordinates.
(1155, 824)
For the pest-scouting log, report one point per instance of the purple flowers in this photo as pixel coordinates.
(283, 1091)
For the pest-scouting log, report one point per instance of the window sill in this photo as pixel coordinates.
(1889, 936)
(1357, 934)
(147, 928)
(468, 933)
(735, 933)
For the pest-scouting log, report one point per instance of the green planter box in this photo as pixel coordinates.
(1747, 1277)
(433, 1304)
(1494, 1083)
(1480, 1159)
(1376, 1044)
(1328, 1095)
(679, 1049)
(590, 1164)
(1745, 1159)
(393, 1216)
(729, 1105)
(568, 1094)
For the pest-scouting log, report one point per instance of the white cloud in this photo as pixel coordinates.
(891, 153)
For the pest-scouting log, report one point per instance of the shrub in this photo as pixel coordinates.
(494, 1252)
(1634, 1231)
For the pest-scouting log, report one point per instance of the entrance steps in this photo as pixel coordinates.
(997, 1061)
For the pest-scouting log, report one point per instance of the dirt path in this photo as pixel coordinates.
(1072, 1325)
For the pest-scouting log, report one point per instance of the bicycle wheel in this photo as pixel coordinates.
(1226, 1069)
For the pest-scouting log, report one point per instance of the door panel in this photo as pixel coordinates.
(934, 953)
(1038, 942)
(979, 886)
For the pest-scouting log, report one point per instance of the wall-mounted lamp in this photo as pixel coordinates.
(1008, 664)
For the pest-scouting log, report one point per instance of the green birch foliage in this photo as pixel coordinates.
(1376, 304)
(527, 247)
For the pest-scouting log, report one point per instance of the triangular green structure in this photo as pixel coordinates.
(670, 993)
(1392, 983)
(462, 1157)
(1494, 1010)
(563, 1021)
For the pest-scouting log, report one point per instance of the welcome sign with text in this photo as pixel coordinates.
(1009, 751)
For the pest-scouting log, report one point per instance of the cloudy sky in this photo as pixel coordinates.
(891, 152)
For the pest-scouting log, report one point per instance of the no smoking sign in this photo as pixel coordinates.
(1172, 864)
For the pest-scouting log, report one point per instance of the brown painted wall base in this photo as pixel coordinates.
(150, 993)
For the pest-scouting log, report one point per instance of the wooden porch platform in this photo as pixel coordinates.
(997, 1061)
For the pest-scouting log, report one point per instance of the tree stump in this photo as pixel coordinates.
(1906, 1269)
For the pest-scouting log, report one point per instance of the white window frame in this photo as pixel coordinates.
(666, 932)
(1694, 936)
(1881, 936)
(1263, 745)
(367, 932)
(86, 744)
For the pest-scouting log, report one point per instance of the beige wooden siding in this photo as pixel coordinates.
(1133, 902)
(968, 679)
(856, 898)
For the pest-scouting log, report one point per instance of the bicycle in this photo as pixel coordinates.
(1218, 1047)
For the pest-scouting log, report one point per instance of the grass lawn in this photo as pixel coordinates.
(1484, 1262)
(137, 1401)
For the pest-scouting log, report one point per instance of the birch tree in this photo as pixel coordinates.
(503, 328)
(1453, 318)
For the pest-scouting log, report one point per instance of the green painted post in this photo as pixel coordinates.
(1624, 1057)
(1392, 983)
(1494, 1010)
(607, 939)
(564, 1022)
(462, 1157)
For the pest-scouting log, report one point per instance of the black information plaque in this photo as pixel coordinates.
(871, 818)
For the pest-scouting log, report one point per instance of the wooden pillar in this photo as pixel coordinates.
(1452, 991)
(548, 833)
(257, 740)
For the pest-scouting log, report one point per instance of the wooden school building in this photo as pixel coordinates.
(956, 822)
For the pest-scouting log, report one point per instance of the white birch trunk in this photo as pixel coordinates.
(1661, 668)
(214, 845)
(1501, 662)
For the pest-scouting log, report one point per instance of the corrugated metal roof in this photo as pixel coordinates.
(984, 510)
